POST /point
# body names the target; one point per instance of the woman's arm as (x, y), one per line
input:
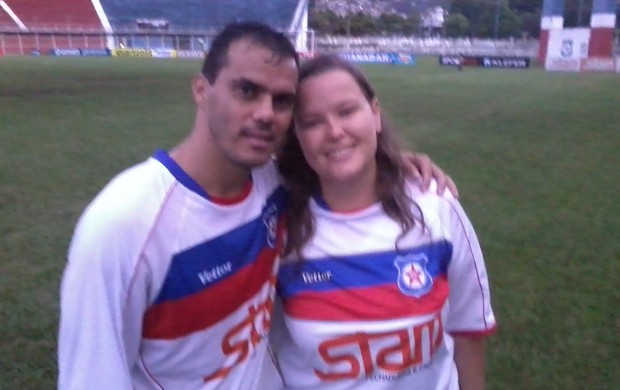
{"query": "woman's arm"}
(469, 356)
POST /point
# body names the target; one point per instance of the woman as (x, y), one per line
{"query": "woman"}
(382, 286)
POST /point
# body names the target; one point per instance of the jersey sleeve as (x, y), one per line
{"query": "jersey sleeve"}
(470, 310)
(102, 299)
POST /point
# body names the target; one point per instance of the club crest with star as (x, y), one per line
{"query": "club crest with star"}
(270, 219)
(413, 278)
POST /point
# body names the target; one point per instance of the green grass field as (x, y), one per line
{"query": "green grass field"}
(535, 154)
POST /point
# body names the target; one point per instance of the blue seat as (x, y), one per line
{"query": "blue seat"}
(198, 15)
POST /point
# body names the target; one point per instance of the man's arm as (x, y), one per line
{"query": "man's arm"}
(421, 167)
(469, 356)
(99, 333)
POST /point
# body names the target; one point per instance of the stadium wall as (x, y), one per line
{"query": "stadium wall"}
(578, 49)
(26, 42)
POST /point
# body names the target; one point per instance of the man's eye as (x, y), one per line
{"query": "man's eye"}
(248, 91)
(283, 102)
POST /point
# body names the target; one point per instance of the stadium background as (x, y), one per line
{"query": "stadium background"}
(31, 26)
(534, 154)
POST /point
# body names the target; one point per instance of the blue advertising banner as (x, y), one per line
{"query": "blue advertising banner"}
(65, 52)
(379, 58)
(95, 52)
(79, 52)
(404, 59)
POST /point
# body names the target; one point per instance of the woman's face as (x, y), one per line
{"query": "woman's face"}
(337, 128)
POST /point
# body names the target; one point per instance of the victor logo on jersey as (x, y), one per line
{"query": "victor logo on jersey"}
(270, 219)
(316, 276)
(413, 278)
(215, 273)
(395, 352)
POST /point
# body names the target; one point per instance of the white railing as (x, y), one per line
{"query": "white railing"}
(429, 45)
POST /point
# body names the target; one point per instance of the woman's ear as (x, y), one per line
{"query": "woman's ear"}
(376, 112)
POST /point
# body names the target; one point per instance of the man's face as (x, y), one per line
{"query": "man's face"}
(250, 104)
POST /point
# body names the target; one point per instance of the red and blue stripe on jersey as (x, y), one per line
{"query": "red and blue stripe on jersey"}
(240, 262)
(361, 287)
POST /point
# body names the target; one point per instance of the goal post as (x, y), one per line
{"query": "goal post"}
(303, 40)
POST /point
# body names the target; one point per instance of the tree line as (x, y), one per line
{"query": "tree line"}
(464, 18)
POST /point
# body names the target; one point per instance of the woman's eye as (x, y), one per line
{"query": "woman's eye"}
(308, 124)
(347, 111)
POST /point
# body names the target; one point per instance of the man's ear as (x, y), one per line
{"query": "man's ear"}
(200, 87)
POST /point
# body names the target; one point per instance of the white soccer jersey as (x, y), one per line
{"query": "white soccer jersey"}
(360, 314)
(173, 291)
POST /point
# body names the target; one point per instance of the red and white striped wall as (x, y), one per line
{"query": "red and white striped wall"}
(581, 47)
(602, 24)
(552, 19)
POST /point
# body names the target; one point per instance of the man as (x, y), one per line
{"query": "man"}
(171, 271)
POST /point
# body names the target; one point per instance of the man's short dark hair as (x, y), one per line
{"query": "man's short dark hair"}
(255, 32)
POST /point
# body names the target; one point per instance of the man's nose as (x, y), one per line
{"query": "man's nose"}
(264, 110)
